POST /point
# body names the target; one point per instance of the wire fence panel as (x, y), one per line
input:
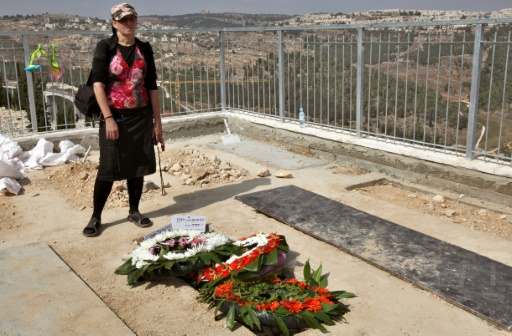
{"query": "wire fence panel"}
(438, 86)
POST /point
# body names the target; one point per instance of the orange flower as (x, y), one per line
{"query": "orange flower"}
(291, 281)
(263, 306)
(224, 289)
(271, 245)
(320, 290)
(277, 280)
(302, 285)
(293, 306)
(324, 299)
(274, 305)
(313, 305)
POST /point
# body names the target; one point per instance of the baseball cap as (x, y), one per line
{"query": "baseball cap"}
(120, 11)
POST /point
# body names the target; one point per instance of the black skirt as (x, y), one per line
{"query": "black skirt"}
(132, 154)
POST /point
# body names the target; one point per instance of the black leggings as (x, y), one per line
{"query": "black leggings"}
(103, 188)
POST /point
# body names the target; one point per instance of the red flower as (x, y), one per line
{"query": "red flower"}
(324, 299)
(236, 265)
(222, 270)
(313, 305)
(210, 274)
(263, 306)
(274, 305)
(293, 306)
(302, 285)
(224, 289)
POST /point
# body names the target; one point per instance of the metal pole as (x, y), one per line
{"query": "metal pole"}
(30, 86)
(281, 76)
(360, 79)
(222, 73)
(475, 89)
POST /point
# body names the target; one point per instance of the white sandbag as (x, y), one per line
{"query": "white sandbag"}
(7, 170)
(34, 156)
(9, 185)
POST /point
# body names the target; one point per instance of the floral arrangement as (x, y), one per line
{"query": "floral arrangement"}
(261, 254)
(177, 251)
(284, 302)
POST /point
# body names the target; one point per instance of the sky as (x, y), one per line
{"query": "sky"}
(101, 8)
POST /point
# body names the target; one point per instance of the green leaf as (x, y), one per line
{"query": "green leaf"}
(310, 319)
(323, 281)
(282, 325)
(168, 264)
(271, 258)
(254, 318)
(317, 274)
(125, 268)
(230, 319)
(206, 258)
(254, 266)
(307, 271)
(343, 294)
(324, 318)
(134, 276)
(327, 307)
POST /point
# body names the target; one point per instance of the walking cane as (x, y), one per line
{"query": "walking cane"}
(160, 167)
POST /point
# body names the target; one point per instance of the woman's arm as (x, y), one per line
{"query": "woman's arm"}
(112, 131)
(157, 127)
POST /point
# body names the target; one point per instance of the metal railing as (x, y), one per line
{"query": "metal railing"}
(443, 86)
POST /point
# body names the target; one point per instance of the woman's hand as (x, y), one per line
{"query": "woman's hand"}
(111, 128)
(157, 132)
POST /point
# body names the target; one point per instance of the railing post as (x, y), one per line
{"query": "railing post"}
(475, 90)
(360, 81)
(281, 75)
(30, 86)
(222, 73)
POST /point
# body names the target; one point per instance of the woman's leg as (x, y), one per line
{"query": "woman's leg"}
(101, 191)
(135, 186)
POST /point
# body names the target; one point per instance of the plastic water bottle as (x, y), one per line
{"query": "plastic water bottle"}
(302, 118)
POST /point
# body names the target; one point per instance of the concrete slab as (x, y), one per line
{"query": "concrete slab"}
(41, 294)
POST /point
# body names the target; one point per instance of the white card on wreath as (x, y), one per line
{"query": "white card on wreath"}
(192, 223)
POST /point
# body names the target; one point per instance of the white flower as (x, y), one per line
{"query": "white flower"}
(173, 256)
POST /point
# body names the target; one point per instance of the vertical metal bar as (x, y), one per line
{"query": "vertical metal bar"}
(222, 73)
(426, 90)
(448, 92)
(439, 46)
(460, 84)
(314, 77)
(360, 80)
(491, 79)
(336, 81)
(343, 83)
(475, 90)
(328, 79)
(281, 75)
(307, 77)
(368, 117)
(406, 84)
(321, 82)
(30, 85)
(387, 87)
(418, 49)
(377, 114)
(503, 98)
(396, 85)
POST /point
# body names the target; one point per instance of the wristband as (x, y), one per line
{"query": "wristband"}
(109, 117)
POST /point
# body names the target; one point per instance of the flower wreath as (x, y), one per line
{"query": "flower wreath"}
(262, 254)
(178, 251)
(282, 303)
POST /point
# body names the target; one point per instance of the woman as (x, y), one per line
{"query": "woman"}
(124, 81)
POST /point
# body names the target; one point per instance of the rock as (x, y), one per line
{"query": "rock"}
(167, 185)
(264, 172)
(503, 217)
(283, 174)
(483, 212)
(176, 167)
(412, 195)
(244, 172)
(83, 176)
(190, 181)
(449, 212)
(198, 173)
(224, 165)
(431, 206)
(438, 199)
